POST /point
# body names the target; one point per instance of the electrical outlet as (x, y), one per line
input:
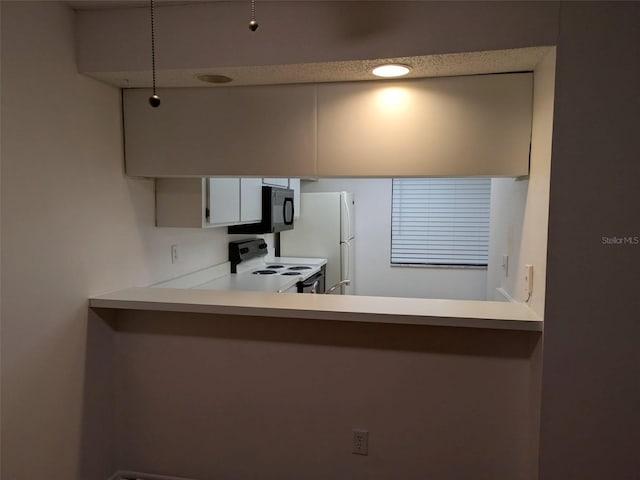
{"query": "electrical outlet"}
(174, 253)
(360, 442)
(528, 279)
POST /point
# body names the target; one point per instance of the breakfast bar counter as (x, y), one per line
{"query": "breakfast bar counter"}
(345, 308)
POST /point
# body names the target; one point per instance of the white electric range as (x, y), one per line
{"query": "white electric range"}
(252, 268)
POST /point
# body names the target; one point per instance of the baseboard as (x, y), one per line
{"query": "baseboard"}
(127, 474)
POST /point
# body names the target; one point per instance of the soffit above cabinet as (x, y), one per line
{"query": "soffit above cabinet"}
(249, 131)
(429, 66)
(312, 41)
(459, 126)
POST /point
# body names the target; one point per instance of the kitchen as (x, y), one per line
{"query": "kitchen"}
(186, 111)
(371, 219)
(94, 232)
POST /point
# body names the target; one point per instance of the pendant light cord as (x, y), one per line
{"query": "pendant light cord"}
(253, 25)
(154, 100)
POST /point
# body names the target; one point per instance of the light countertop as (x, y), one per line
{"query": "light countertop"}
(215, 290)
(412, 311)
(219, 277)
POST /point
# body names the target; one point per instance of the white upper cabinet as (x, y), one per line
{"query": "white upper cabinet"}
(276, 182)
(208, 202)
(224, 201)
(250, 200)
(456, 126)
(237, 131)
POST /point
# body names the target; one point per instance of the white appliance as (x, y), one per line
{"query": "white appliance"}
(325, 229)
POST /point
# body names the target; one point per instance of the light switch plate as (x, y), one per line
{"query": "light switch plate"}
(360, 442)
(528, 279)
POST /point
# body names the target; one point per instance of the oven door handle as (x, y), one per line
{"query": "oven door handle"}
(313, 281)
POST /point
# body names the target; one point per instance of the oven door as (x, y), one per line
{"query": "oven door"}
(313, 284)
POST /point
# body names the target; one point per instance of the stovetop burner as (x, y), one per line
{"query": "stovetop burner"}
(290, 273)
(265, 272)
(301, 267)
(275, 266)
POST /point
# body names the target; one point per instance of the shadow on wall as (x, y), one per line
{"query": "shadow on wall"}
(360, 335)
(98, 408)
(190, 386)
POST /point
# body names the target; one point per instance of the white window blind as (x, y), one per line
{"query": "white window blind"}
(440, 221)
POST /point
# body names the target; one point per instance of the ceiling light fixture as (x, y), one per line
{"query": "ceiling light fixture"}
(391, 70)
(214, 78)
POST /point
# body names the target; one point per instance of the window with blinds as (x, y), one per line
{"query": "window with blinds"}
(440, 221)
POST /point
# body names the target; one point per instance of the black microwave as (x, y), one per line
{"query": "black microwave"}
(277, 213)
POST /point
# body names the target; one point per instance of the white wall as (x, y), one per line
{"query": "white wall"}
(533, 246)
(373, 273)
(520, 207)
(72, 226)
(508, 203)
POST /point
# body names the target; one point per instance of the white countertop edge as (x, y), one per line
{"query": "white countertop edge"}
(391, 310)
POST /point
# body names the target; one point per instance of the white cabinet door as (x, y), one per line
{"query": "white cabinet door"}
(250, 199)
(276, 182)
(224, 201)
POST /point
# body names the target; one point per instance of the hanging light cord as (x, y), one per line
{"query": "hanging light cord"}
(253, 25)
(154, 100)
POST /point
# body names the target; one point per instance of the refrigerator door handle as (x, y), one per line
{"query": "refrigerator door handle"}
(347, 235)
(346, 250)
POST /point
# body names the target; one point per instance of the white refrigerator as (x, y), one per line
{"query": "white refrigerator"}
(325, 229)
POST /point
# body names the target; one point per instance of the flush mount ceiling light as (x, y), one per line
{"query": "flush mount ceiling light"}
(391, 70)
(214, 78)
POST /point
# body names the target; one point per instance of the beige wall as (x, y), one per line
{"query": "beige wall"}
(590, 427)
(60, 138)
(72, 226)
(205, 396)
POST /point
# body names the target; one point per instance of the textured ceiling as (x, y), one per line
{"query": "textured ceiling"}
(101, 4)
(473, 63)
